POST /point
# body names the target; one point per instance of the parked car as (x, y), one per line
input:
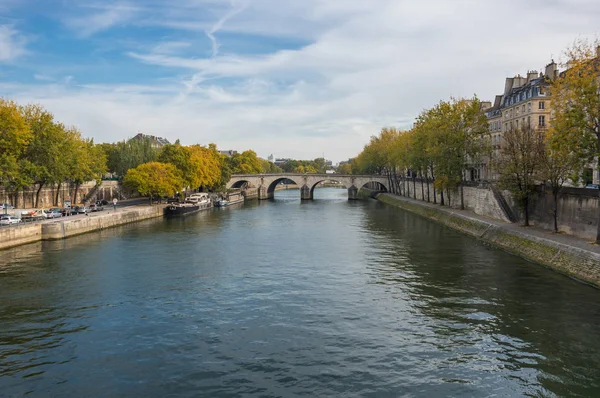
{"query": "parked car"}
(34, 215)
(67, 211)
(96, 207)
(102, 202)
(8, 220)
(80, 210)
(54, 212)
(592, 186)
(6, 206)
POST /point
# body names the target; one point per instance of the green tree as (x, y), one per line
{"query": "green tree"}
(246, 162)
(46, 149)
(15, 136)
(521, 163)
(154, 179)
(129, 154)
(576, 104)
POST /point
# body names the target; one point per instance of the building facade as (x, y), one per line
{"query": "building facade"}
(525, 103)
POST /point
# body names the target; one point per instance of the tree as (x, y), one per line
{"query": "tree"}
(15, 136)
(345, 168)
(559, 166)
(154, 179)
(245, 163)
(85, 160)
(306, 169)
(520, 164)
(269, 167)
(206, 164)
(576, 104)
(45, 150)
(129, 154)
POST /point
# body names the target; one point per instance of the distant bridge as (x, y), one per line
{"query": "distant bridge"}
(266, 183)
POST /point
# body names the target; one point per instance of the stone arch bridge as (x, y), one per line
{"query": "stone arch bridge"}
(266, 183)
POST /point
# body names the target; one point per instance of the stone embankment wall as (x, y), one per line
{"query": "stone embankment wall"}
(572, 261)
(15, 236)
(577, 211)
(26, 199)
(577, 207)
(66, 227)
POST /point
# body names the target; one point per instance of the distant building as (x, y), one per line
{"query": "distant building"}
(280, 161)
(270, 158)
(228, 153)
(157, 142)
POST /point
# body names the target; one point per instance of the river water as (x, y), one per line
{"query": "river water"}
(284, 298)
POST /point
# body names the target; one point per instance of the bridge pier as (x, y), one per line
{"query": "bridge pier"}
(305, 193)
(352, 193)
(263, 193)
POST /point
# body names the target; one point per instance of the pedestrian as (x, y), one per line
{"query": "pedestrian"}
(115, 204)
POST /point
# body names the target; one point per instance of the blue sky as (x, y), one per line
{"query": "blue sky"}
(296, 78)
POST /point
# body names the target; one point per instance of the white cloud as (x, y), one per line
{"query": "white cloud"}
(364, 65)
(12, 44)
(102, 17)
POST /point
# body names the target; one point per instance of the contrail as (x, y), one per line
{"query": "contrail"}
(219, 24)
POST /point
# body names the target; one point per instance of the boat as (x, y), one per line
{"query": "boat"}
(181, 209)
(193, 203)
(201, 199)
(230, 199)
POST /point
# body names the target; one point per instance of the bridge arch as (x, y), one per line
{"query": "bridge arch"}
(374, 186)
(240, 184)
(271, 187)
(314, 184)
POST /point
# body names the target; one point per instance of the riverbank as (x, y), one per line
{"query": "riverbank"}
(566, 254)
(63, 228)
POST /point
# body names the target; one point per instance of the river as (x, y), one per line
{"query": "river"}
(284, 298)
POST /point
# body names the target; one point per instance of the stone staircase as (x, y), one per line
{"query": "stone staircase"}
(510, 215)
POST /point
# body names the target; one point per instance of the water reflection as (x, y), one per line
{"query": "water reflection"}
(485, 308)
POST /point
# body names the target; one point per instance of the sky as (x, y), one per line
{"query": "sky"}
(294, 78)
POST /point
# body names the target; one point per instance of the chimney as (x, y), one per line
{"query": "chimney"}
(532, 75)
(508, 85)
(519, 81)
(551, 70)
(598, 51)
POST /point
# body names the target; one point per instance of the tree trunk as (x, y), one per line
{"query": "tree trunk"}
(441, 196)
(57, 194)
(75, 194)
(526, 209)
(407, 187)
(427, 181)
(555, 211)
(598, 226)
(414, 187)
(422, 190)
(462, 196)
(37, 195)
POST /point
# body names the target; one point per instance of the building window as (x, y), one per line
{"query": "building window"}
(542, 105)
(529, 121)
(542, 121)
(517, 124)
(529, 107)
(523, 108)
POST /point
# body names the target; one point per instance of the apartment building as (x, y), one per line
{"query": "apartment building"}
(524, 103)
